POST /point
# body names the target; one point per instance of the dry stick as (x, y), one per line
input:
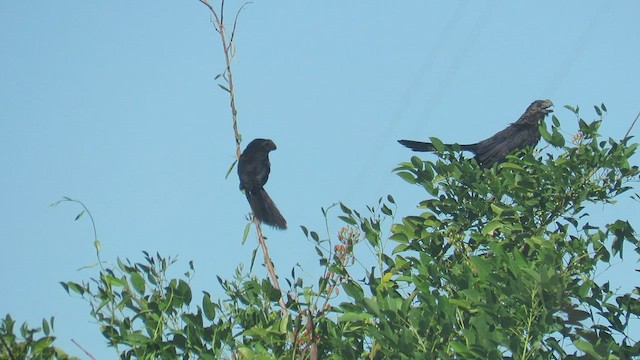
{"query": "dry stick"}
(81, 348)
(227, 57)
(269, 265)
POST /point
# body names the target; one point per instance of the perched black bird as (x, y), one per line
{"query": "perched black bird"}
(517, 135)
(253, 171)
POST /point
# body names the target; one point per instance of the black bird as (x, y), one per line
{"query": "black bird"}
(520, 134)
(253, 171)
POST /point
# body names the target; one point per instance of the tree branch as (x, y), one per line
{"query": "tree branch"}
(81, 348)
(228, 76)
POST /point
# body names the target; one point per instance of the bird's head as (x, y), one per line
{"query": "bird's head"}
(536, 112)
(265, 145)
(268, 144)
(540, 106)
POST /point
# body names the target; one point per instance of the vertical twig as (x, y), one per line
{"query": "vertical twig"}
(227, 58)
(269, 265)
(227, 47)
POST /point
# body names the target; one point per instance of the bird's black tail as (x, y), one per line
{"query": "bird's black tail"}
(264, 209)
(417, 145)
(427, 146)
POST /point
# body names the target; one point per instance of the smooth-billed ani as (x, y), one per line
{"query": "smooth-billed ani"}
(520, 134)
(253, 170)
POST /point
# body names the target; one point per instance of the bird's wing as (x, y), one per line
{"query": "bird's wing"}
(253, 171)
(497, 147)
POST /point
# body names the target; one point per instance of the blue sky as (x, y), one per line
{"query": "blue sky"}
(115, 104)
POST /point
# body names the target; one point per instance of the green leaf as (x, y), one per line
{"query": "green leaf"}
(138, 282)
(458, 347)
(437, 144)
(245, 233)
(492, 226)
(353, 289)
(183, 290)
(41, 344)
(587, 347)
(256, 332)
(348, 220)
(407, 176)
(79, 215)
(135, 338)
(544, 133)
(233, 164)
(482, 266)
(372, 306)
(284, 325)
(352, 316)
(73, 287)
(114, 281)
(509, 165)
(45, 327)
(345, 209)
(497, 209)
(557, 139)
(416, 162)
(208, 307)
(598, 111)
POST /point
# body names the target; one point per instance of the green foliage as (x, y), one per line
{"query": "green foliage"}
(502, 262)
(145, 315)
(30, 343)
(497, 263)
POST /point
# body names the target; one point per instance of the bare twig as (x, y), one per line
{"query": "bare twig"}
(227, 47)
(222, 12)
(81, 348)
(235, 21)
(227, 58)
(631, 127)
(96, 242)
(269, 265)
(215, 14)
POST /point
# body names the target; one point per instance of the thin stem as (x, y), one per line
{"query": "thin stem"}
(81, 348)
(227, 48)
(269, 265)
(227, 58)
(235, 21)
